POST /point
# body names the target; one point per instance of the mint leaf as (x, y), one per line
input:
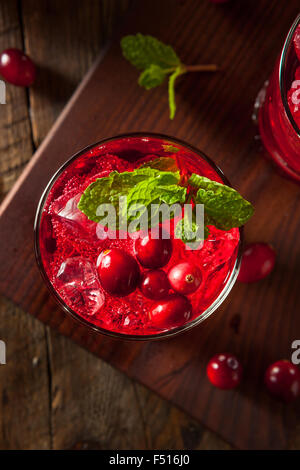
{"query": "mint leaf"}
(224, 207)
(149, 192)
(170, 148)
(162, 163)
(110, 188)
(188, 231)
(144, 51)
(152, 76)
(157, 60)
(171, 89)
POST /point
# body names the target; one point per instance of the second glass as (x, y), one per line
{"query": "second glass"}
(279, 108)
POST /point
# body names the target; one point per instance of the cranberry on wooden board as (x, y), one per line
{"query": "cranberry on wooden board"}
(282, 379)
(154, 284)
(185, 278)
(224, 371)
(119, 273)
(17, 68)
(258, 262)
(173, 311)
(153, 253)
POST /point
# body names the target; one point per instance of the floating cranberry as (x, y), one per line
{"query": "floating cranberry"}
(293, 97)
(155, 284)
(296, 41)
(257, 262)
(118, 271)
(219, 1)
(185, 278)
(153, 253)
(170, 312)
(282, 379)
(224, 371)
(17, 68)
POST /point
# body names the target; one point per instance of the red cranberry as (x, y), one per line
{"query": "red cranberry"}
(17, 68)
(282, 379)
(155, 284)
(118, 271)
(257, 262)
(185, 278)
(224, 371)
(170, 312)
(153, 253)
(296, 41)
(219, 1)
(293, 97)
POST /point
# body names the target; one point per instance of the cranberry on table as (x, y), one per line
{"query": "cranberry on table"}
(17, 68)
(154, 284)
(119, 273)
(173, 311)
(152, 252)
(185, 278)
(258, 262)
(224, 371)
(282, 379)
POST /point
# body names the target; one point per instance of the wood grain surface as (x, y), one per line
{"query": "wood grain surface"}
(258, 322)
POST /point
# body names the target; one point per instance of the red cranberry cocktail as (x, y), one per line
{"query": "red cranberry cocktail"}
(279, 113)
(137, 287)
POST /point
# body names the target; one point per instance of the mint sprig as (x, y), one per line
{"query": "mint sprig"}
(157, 62)
(162, 164)
(142, 186)
(224, 207)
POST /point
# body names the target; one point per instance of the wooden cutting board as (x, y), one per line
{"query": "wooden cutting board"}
(257, 322)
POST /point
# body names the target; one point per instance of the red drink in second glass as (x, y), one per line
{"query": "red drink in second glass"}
(68, 243)
(279, 114)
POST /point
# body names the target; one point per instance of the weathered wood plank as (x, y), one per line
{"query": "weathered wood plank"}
(63, 38)
(24, 387)
(15, 141)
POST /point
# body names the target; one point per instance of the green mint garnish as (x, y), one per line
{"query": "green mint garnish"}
(157, 62)
(224, 207)
(162, 163)
(188, 230)
(141, 186)
(170, 148)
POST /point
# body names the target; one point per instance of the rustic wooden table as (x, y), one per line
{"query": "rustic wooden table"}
(45, 372)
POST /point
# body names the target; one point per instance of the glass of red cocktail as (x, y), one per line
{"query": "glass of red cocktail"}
(69, 247)
(279, 108)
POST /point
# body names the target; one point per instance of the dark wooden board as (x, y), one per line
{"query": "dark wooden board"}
(214, 114)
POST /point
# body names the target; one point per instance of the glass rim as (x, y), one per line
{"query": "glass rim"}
(230, 281)
(282, 68)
